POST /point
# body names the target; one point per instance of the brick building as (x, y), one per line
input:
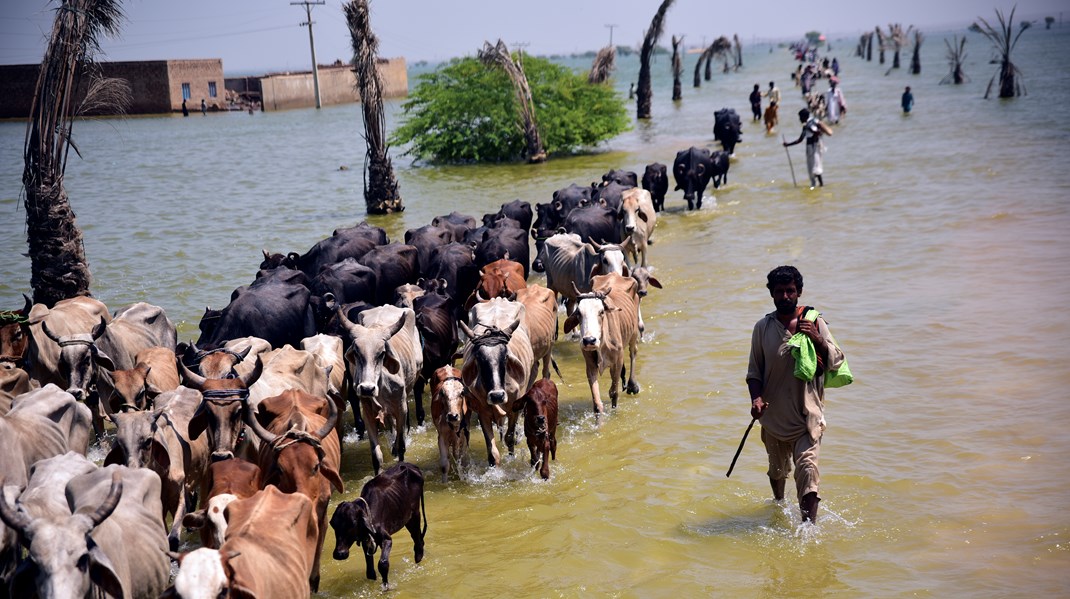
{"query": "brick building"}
(156, 86)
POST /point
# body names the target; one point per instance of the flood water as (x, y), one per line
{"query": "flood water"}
(937, 251)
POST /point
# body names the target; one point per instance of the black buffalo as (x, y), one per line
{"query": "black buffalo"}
(719, 168)
(353, 242)
(435, 315)
(727, 129)
(517, 210)
(426, 239)
(275, 311)
(656, 181)
(454, 265)
(692, 169)
(506, 242)
(611, 194)
(341, 283)
(625, 178)
(456, 222)
(394, 264)
(594, 222)
(551, 216)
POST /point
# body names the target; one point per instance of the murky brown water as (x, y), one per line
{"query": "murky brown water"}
(938, 253)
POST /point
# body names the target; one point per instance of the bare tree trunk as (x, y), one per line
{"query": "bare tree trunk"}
(698, 67)
(677, 68)
(650, 40)
(739, 51)
(915, 60)
(381, 194)
(58, 265)
(869, 48)
(708, 71)
(499, 55)
(880, 44)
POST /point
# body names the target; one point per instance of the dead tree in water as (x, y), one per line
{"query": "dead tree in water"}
(869, 47)
(882, 42)
(1009, 76)
(604, 63)
(956, 55)
(650, 40)
(381, 195)
(677, 68)
(698, 67)
(499, 55)
(915, 59)
(739, 51)
(58, 265)
(899, 37)
(719, 47)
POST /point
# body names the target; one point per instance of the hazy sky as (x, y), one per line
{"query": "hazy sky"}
(253, 36)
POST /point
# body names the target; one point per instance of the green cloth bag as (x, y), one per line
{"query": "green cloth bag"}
(841, 377)
(804, 352)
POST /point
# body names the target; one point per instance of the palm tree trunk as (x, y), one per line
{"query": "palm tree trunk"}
(499, 55)
(677, 68)
(698, 68)
(58, 265)
(650, 40)
(381, 194)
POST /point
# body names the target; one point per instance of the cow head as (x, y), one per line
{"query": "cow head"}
(590, 315)
(352, 524)
(610, 259)
(490, 351)
(136, 444)
(221, 410)
(203, 572)
(78, 359)
(370, 353)
(229, 480)
(14, 333)
(405, 294)
(126, 388)
(299, 454)
(449, 405)
(64, 560)
(644, 280)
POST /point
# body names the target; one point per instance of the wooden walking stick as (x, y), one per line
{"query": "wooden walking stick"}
(793, 183)
(740, 450)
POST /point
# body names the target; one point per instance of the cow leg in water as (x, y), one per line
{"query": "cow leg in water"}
(413, 526)
(591, 362)
(369, 565)
(614, 386)
(398, 448)
(355, 403)
(373, 436)
(418, 390)
(632, 387)
(510, 431)
(487, 424)
(443, 456)
(321, 515)
(174, 537)
(384, 559)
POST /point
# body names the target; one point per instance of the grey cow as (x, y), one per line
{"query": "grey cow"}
(570, 263)
(385, 358)
(111, 541)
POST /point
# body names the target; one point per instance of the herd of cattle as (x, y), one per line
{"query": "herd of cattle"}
(247, 421)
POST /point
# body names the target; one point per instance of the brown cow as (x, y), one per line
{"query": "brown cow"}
(13, 333)
(540, 318)
(540, 423)
(388, 502)
(13, 382)
(608, 317)
(155, 372)
(449, 412)
(227, 481)
(501, 278)
(222, 411)
(300, 453)
(269, 551)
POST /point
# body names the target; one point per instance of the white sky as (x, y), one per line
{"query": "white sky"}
(253, 36)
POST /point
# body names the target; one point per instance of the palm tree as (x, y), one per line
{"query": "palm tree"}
(719, 47)
(381, 195)
(603, 65)
(1009, 76)
(58, 265)
(915, 59)
(956, 55)
(677, 67)
(650, 40)
(499, 55)
(899, 37)
(739, 51)
(1048, 21)
(698, 67)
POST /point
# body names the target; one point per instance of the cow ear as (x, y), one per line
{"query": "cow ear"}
(518, 405)
(198, 423)
(571, 322)
(654, 282)
(115, 456)
(195, 520)
(160, 455)
(102, 573)
(334, 478)
(642, 216)
(103, 360)
(390, 362)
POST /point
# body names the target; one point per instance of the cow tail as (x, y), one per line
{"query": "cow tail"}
(423, 509)
(553, 363)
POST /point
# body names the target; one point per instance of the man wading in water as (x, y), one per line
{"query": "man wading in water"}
(790, 409)
(812, 131)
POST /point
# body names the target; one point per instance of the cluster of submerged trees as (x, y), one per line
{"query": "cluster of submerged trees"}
(1002, 35)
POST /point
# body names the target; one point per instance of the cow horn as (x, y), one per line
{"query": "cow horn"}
(265, 435)
(12, 516)
(348, 324)
(467, 331)
(332, 420)
(100, 328)
(28, 306)
(243, 353)
(48, 332)
(596, 245)
(511, 295)
(479, 295)
(575, 289)
(110, 502)
(195, 380)
(511, 328)
(251, 377)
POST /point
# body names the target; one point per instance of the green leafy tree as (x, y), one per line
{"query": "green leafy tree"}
(465, 112)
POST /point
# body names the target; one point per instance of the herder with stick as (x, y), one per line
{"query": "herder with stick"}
(812, 131)
(791, 409)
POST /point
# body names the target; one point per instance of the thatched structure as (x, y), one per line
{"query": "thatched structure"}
(498, 55)
(381, 194)
(650, 40)
(956, 55)
(58, 265)
(604, 63)
(1004, 40)
(677, 68)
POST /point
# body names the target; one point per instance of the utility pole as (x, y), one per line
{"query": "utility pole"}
(308, 4)
(611, 27)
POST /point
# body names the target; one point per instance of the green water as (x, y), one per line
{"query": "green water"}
(938, 252)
